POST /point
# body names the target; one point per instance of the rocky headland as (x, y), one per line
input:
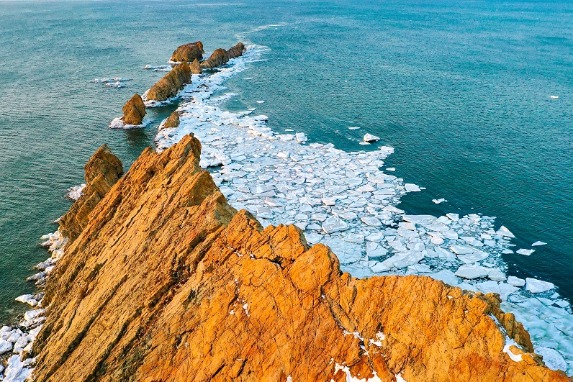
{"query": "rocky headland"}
(166, 281)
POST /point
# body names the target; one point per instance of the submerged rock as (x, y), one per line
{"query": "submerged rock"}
(171, 83)
(133, 110)
(221, 56)
(168, 282)
(188, 52)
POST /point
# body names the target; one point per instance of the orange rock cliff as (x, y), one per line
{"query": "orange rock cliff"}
(162, 280)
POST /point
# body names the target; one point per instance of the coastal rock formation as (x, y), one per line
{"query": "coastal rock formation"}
(188, 52)
(171, 83)
(102, 171)
(196, 67)
(221, 56)
(171, 121)
(133, 110)
(167, 282)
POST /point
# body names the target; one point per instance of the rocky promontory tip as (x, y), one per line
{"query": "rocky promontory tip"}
(188, 52)
(171, 83)
(102, 171)
(168, 282)
(221, 56)
(133, 111)
(171, 121)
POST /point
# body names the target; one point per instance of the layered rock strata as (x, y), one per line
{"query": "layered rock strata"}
(171, 83)
(188, 52)
(133, 111)
(101, 172)
(167, 282)
(221, 56)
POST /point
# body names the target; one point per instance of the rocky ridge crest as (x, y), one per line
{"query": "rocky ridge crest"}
(162, 280)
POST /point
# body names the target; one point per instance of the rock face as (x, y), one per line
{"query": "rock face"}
(171, 121)
(167, 282)
(171, 83)
(221, 56)
(196, 67)
(101, 172)
(188, 52)
(133, 110)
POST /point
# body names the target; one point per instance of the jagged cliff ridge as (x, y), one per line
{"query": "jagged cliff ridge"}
(167, 282)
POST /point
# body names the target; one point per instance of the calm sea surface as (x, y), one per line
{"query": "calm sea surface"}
(465, 92)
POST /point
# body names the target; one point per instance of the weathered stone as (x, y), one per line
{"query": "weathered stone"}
(221, 56)
(102, 171)
(171, 121)
(196, 67)
(167, 282)
(188, 52)
(171, 83)
(133, 110)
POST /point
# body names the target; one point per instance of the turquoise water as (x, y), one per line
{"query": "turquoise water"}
(462, 91)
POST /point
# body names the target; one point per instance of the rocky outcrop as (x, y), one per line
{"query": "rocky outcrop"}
(102, 171)
(133, 111)
(171, 83)
(236, 51)
(196, 67)
(171, 121)
(167, 282)
(188, 52)
(221, 56)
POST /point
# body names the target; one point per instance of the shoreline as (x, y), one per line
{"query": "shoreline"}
(236, 143)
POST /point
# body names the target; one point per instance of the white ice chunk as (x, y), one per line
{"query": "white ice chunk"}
(439, 201)
(411, 187)
(515, 281)
(538, 286)
(552, 358)
(503, 231)
(370, 138)
(371, 221)
(471, 272)
(334, 224)
(538, 243)
(525, 252)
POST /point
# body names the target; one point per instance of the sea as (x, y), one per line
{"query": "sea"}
(476, 98)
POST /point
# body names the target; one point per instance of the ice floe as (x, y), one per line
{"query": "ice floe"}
(370, 138)
(116, 82)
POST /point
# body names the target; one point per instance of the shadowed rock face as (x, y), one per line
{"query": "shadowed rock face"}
(196, 67)
(221, 56)
(171, 121)
(188, 52)
(171, 83)
(101, 172)
(133, 110)
(167, 282)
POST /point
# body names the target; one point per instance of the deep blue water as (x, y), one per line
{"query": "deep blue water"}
(462, 90)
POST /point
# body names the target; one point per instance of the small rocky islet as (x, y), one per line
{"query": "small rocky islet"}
(154, 275)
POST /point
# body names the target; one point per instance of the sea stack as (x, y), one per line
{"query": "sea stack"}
(171, 83)
(133, 111)
(221, 56)
(188, 52)
(165, 281)
(171, 121)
